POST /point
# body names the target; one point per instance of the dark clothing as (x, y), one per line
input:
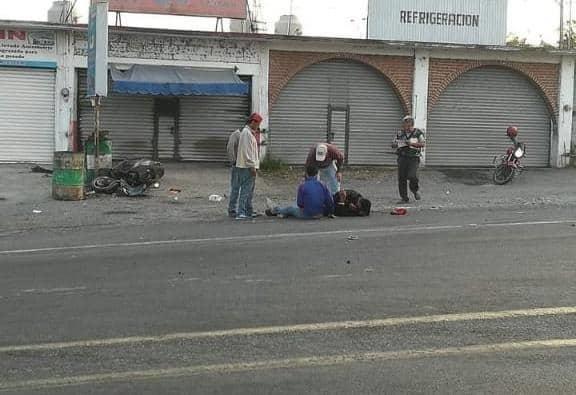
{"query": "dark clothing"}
(333, 154)
(354, 205)
(402, 139)
(407, 172)
(314, 199)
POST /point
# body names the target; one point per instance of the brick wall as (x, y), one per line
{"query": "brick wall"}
(284, 65)
(544, 76)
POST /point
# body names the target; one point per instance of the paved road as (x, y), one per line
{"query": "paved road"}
(470, 302)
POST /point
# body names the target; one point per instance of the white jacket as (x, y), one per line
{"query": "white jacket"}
(248, 152)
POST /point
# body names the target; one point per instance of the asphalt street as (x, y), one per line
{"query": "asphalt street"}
(471, 301)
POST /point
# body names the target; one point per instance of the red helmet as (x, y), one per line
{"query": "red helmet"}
(512, 131)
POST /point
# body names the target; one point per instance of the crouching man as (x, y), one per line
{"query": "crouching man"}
(314, 200)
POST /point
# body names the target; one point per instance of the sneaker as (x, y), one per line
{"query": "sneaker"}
(417, 196)
(270, 213)
(241, 217)
(404, 200)
(256, 214)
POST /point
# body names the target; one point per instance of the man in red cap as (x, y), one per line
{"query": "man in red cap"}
(248, 163)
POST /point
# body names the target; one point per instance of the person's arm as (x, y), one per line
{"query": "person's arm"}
(395, 144)
(328, 201)
(232, 147)
(250, 150)
(337, 156)
(300, 199)
(421, 141)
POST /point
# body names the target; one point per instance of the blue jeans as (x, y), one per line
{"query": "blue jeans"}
(247, 183)
(291, 211)
(234, 191)
(328, 177)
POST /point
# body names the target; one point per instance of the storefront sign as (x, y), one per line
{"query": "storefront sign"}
(132, 46)
(98, 49)
(235, 9)
(18, 47)
(477, 22)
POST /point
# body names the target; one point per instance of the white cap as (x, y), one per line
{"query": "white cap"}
(321, 152)
(408, 118)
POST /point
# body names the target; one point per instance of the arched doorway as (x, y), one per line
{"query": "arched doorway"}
(345, 102)
(467, 127)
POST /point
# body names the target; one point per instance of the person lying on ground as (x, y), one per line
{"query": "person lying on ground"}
(349, 203)
(314, 201)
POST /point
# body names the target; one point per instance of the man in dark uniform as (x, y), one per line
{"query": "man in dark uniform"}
(408, 143)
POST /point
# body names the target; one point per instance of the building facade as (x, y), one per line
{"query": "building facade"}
(349, 92)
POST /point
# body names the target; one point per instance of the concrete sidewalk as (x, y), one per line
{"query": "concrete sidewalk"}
(25, 201)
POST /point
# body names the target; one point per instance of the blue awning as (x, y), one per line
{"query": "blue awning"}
(177, 81)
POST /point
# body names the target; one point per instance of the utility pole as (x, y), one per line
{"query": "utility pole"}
(561, 42)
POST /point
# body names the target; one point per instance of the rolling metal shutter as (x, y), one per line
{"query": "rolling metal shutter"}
(468, 125)
(206, 123)
(298, 120)
(27, 115)
(130, 120)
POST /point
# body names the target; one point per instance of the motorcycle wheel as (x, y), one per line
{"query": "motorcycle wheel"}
(503, 174)
(107, 185)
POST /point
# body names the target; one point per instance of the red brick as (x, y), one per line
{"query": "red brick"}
(543, 75)
(398, 70)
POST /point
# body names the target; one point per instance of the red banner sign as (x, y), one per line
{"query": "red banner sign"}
(235, 9)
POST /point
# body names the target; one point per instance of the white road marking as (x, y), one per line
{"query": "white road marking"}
(293, 363)
(267, 237)
(52, 290)
(335, 276)
(302, 328)
(258, 280)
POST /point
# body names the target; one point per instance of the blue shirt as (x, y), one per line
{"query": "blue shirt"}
(314, 198)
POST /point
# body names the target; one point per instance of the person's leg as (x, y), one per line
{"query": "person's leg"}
(402, 178)
(289, 211)
(244, 181)
(412, 174)
(250, 191)
(234, 191)
(328, 177)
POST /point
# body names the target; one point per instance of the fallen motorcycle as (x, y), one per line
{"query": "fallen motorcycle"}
(130, 178)
(508, 165)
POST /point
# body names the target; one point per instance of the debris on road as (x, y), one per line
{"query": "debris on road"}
(40, 169)
(215, 198)
(353, 237)
(35, 211)
(399, 211)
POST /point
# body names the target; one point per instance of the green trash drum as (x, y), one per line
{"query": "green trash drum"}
(69, 175)
(104, 158)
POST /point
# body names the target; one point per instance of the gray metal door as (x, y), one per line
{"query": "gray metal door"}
(338, 127)
(467, 127)
(166, 137)
(298, 118)
(130, 120)
(27, 102)
(206, 123)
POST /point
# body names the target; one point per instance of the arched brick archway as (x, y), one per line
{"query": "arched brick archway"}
(398, 70)
(445, 71)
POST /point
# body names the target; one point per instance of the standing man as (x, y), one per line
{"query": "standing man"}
(329, 160)
(409, 143)
(232, 149)
(248, 163)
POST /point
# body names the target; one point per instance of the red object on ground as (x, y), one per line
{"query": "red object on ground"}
(399, 211)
